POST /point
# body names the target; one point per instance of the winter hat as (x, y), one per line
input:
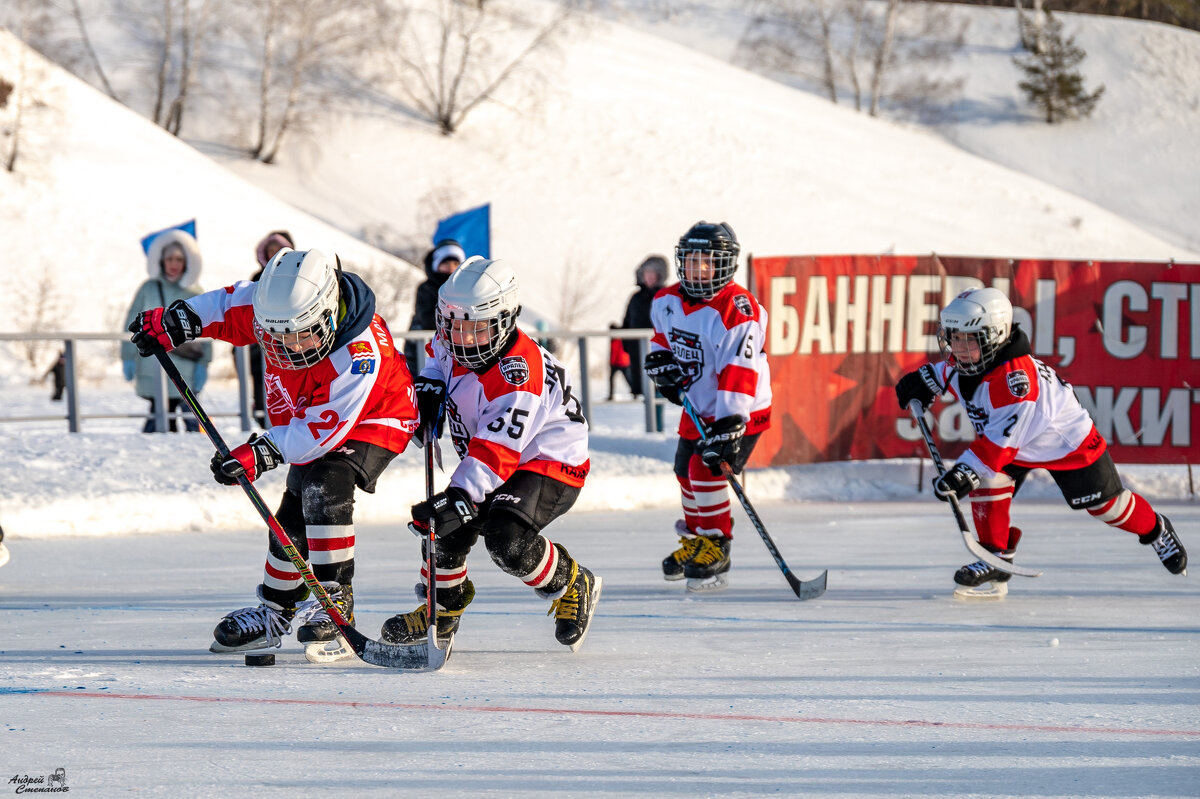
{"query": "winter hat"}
(168, 240)
(653, 263)
(444, 249)
(280, 237)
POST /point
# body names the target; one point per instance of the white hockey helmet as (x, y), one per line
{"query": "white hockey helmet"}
(296, 308)
(983, 316)
(477, 311)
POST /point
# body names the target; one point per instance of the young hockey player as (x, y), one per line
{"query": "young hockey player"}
(523, 445)
(1025, 417)
(341, 407)
(708, 340)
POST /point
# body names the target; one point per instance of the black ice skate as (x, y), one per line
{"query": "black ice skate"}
(707, 570)
(253, 628)
(979, 580)
(412, 628)
(324, 645)
(672, 564)
(1167, 546)
(573, 610)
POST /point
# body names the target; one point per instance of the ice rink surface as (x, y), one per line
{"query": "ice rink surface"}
(1084, 682)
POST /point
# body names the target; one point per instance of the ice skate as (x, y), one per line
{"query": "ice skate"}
(412, 628)
(254, 627)
(672, 564)
(979, 580)
(573, 610)
(1167, 546)
(320, 634)
(708, 570)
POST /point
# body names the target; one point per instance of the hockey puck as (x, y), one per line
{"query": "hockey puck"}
(260, 660)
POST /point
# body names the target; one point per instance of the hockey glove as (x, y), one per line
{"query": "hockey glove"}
(921, 385)
(256, 456)
(431, 397)
(667, 375)
(448, 511)
(721, 443)
(164, 328)
(959, 481)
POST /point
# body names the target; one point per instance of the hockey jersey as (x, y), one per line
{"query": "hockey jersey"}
(362, 390)
(719, 344)
(519, 414)
(1023, 414)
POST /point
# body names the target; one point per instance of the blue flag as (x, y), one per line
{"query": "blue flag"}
(188, 227)
(472, 229)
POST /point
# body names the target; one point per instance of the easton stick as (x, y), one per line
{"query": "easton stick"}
(373, 652)
(804, 589)
(973, 546)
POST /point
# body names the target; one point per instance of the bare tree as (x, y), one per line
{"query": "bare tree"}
(89, 51)
(194, 32)
(883, 54)
(37, 305)
(300, 46)
(21, 93)
(446, 58)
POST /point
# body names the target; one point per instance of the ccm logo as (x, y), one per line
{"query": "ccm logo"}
(508, 498)
(1086, 500)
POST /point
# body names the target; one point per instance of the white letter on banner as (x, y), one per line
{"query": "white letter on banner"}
(1110, 414)
(784, 323)
(1176, 414)
(815, 326)
(890, 312)
(1170, 295)
(846, 312)
(921, 312)
(1112, 324)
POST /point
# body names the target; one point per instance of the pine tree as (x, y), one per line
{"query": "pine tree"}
(1052, 82)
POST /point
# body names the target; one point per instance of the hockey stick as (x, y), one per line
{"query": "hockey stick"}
(437, 654)
(973, 546)
(373, 652)
(804, 589)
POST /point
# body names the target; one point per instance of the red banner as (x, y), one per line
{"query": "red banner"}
(843, 329)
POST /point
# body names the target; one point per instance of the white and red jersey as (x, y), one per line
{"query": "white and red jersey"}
(362, 390)
(1023, 414)
(719, 343)
(519, 414)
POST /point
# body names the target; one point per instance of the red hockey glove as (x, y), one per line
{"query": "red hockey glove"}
(256, 456)
(164, 328)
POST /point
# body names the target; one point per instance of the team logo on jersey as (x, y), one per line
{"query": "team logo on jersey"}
(359, 348)
(514, 369)
(742, 303)
(362, 366)
(685, 346)
(1018, 384)
(279, 401)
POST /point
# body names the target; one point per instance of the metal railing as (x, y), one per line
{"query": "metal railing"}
(74, 418)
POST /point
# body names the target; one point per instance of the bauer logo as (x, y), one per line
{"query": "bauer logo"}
(1018, 384)
(514, 369)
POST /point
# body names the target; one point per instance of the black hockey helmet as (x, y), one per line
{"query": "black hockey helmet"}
(708, 245)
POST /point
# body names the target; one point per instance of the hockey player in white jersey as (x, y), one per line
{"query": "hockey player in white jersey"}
(1025, 417)
(708, 339)
(523, 445)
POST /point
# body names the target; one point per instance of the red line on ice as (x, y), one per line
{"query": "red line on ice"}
(651, 714)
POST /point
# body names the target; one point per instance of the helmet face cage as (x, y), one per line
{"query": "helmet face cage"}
(980, 322)
(297, 349)
(710, 253)
(473, 343)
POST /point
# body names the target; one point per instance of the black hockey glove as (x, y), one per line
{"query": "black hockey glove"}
(448, 511)
(667, 375)
(431, 397)
(959, 481)
(921, 385)
(722, 442)
(256, 456)
(164, 328)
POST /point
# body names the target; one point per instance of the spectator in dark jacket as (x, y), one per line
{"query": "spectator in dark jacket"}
(440, 262)
(651, 276)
